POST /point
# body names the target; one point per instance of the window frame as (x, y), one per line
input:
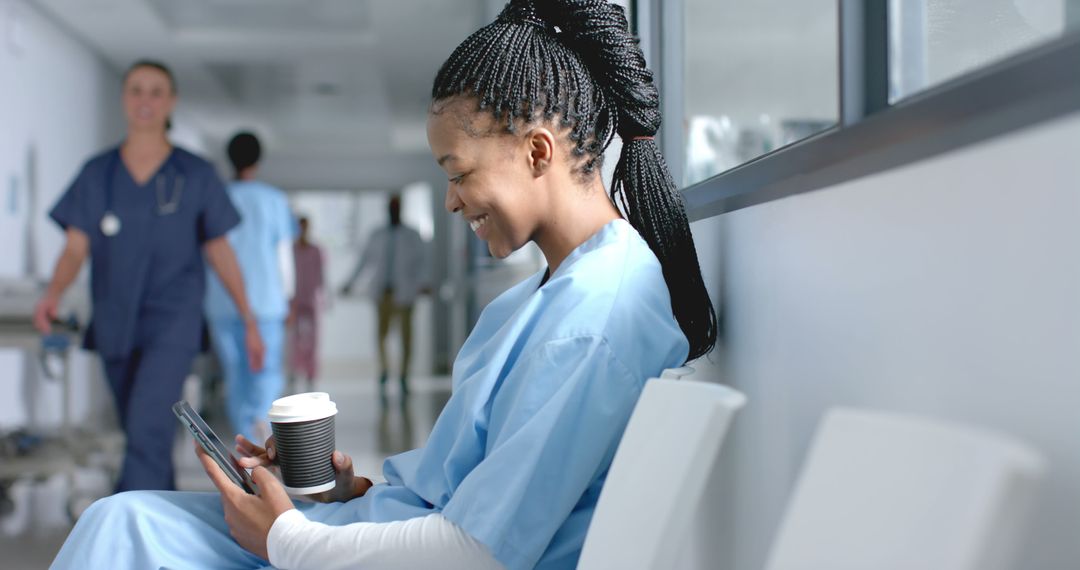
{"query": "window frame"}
(1035, 85)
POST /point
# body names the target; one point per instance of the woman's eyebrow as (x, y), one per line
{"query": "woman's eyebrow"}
(446, 158)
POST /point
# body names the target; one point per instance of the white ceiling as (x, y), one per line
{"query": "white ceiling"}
(328, 79)
(344, 84)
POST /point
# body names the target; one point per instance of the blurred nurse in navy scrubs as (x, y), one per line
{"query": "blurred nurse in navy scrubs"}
(145, 213)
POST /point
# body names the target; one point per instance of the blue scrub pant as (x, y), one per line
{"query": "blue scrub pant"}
(145, 385)
(248, 395)
(153, 529)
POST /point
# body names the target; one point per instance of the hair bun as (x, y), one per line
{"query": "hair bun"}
(524, 12)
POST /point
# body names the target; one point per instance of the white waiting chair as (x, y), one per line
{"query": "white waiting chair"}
(658, 474)
(891, 492)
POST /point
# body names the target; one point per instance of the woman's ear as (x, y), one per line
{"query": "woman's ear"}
(541, 146)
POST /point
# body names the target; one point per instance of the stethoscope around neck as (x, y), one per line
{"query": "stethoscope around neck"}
(166, 203)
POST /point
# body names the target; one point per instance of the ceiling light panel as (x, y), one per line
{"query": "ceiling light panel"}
(265, 15)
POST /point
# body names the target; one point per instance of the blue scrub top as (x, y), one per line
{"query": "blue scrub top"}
(266, 222)
(543, 389)
(147, 281)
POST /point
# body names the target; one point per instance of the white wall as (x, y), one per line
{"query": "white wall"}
(58, 99)
(948, 288)
(59, 103)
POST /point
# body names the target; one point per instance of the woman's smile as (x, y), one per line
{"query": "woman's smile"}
(478, 224)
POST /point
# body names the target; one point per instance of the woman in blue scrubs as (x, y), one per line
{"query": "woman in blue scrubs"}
(145, 213)
(546, 382)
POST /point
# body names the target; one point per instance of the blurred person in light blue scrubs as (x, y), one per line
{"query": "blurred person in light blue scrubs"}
(548, 378)
(263, 245)
(145, 213)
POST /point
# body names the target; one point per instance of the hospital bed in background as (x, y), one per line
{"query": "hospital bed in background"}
(33, 452)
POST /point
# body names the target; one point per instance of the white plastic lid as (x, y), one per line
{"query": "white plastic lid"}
(305, 407)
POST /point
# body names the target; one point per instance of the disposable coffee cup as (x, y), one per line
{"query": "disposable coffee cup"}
(303, 426)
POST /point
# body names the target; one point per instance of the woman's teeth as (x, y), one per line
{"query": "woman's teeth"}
(477, 223)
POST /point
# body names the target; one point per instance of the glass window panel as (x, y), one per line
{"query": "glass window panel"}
(759, 75)
(932, 41)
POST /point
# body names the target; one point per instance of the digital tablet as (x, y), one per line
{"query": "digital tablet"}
(213, 446)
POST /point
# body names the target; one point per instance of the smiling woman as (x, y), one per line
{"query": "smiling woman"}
(513, 189)
(146, 97)
(571, 71)
(545, 384)
(145, 213)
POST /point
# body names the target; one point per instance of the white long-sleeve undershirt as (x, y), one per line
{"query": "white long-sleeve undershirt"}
(296, 543)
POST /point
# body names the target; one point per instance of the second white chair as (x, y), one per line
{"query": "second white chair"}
(891, 492)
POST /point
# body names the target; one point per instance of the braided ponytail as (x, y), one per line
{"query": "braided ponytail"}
(576, 60)
(641, 184)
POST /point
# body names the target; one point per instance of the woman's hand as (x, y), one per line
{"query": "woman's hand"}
(45, 312)
(348, 486)
(254, 344)
(252, 456)
(76, 248)
(223, 259)
(249, 517)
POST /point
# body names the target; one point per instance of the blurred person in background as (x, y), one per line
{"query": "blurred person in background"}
(309, 300)
(396, 254)
(263, 242)
(145, 213)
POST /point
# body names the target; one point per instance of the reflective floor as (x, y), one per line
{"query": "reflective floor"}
(370, 427)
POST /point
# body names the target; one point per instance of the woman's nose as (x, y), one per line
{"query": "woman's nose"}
(453, 202)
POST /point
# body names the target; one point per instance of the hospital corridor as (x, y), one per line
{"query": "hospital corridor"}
(551, 284)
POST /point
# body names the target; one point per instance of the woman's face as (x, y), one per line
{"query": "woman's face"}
(148, 98)
(490, 180)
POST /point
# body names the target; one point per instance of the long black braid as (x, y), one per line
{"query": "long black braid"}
(576, 62)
